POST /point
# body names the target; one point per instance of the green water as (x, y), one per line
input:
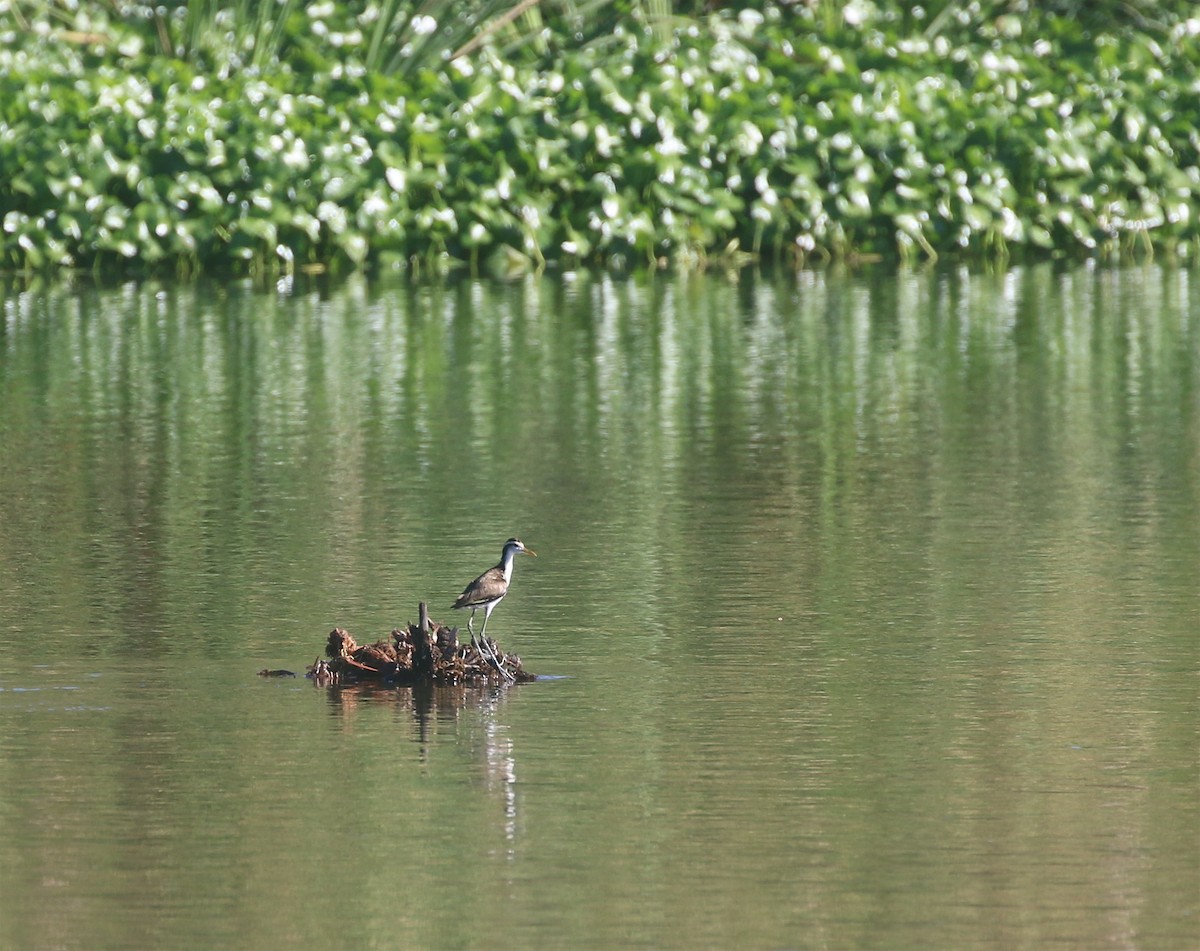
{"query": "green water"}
(868, 604)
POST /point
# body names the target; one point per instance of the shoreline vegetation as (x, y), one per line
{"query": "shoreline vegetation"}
(273, 138)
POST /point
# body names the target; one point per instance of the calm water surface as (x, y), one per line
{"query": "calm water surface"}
(869, 602)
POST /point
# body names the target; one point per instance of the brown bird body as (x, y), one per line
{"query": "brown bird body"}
(489, 588)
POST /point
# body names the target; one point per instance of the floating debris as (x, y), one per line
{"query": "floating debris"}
(426, 652)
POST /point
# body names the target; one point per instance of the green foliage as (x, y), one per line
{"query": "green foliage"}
(799, 131)
(248, 32)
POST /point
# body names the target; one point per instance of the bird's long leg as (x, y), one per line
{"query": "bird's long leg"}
(491, 654)
(484, 650)
(471, 630)
(477, 642)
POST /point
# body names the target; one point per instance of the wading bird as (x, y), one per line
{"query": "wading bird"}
(486, 592)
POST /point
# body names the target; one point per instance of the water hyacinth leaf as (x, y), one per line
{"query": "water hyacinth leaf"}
(354, 245)
(851, 123)
(855, 203)
(977, 217)
(909, 224)
(307, 224)
(261, 228)
(34, 257)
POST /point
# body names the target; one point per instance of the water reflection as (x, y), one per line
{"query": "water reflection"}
(875, 593)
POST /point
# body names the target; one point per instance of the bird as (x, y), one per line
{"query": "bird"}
(488, 590)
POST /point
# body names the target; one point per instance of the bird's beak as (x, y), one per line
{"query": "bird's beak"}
(529, 551)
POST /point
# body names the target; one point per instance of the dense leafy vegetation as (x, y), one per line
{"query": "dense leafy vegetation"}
(624, 134)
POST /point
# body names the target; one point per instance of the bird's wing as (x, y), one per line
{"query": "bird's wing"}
(487, 586)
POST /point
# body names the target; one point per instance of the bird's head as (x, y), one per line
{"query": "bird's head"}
(515, 545)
